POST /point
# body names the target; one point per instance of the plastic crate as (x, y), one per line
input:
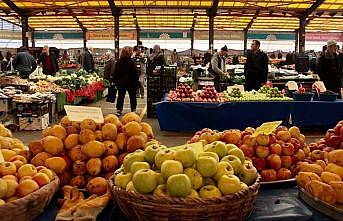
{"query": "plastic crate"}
(32, 109)
(328, 97)
(33, 123)
(302, 96)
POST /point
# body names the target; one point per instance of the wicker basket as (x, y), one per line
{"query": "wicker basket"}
(30, 206)
(233, 207)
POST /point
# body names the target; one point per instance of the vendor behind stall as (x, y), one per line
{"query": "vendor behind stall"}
(256, 67)
(217, 66)
(49, 62)
(329, 68)
(24, 63)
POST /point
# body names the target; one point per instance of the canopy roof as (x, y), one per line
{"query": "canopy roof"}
(153, 14)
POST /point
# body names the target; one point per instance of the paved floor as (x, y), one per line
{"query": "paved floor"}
(167, 138)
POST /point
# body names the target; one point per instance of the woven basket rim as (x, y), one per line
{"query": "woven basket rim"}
(177, 200)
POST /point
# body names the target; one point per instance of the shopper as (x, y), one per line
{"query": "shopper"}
(24, 63)
(126, 78)
(109, 75)
(78, 57)
(329, 68)
(156, 58)
(48, 60)
(174, 57)
(141, 70)
(217, 66)
(88, 60)
(256, 67)
(65, 56)
(279, 55)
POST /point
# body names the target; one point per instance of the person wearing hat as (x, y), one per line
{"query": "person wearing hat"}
(256, 67)
(329, 68)
(217, 66)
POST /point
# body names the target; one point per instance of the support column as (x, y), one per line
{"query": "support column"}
(245, 38)
(296, 33)
(211, 32)
(84, 36)
(33, 38)
(116, 36)
(25, 30)
(302, 23)
(192, 41)
(138, 32)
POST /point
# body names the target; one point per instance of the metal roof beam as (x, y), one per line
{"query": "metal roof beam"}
(194, 21)
(251, 22)
(114, 9)
(135, 21)
(15, 8)
(213, 10)
(311, 9)
(80, 24)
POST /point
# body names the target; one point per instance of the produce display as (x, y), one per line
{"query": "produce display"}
(275, 156)
(18, 177)
(46, 86)
(191, 170)
(80, 152)
(185, 93)
(265, 93)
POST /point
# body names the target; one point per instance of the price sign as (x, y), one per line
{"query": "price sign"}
(240, 87)
(267, 128)
(79, 113)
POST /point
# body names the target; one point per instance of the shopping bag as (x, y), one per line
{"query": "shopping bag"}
(112, 94)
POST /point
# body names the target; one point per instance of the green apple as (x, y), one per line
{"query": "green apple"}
(122, 179)
(135, 166)
(248, 173)
(160, 178)
(163, 155)
(224, 168)
(171, 167)
(195, 177)
(235, 163)
(150, 152)
(209, 191)
(130, 187)
(193, 194)
(207, 166)
(217, 147)
(209, 181)
(186, 156)
(150, 143)
(204, 142)
(230, 147)
(160, 190)
(132, 157)
(229, 184)
(238, 153)
(179, 185)
(210, 154)
(144, 181)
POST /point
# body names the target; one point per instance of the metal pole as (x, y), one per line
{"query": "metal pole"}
(211, 32)
(138, 32)
(33, 38)
(84, 35)
(245, 36)
(24, 31)
(302, 23)
(192, 41)
(116, 36)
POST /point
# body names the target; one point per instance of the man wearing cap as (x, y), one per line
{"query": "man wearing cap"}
(217, 66)
(329, 68)
(256, 67)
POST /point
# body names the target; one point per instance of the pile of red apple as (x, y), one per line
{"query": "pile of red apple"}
(208, 94)
(182, 93)
(275, 156)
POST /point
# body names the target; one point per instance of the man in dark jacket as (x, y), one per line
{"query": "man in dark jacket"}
(88, 61)
(49, 61)
(24, 63)
(329, 68)
(256, 67)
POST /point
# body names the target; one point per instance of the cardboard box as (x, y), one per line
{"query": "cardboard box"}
(34, 123)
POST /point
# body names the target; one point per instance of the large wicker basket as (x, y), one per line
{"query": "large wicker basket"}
(30, 206)
(233, 207)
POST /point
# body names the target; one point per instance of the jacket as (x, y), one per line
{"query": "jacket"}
(24, 62)
(88, 62)
(54, 63)
(216, 65)
(255, 70)
(126, 73)
(109, 70)
(329, 69)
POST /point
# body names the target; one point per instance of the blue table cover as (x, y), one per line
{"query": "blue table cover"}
(182, 116)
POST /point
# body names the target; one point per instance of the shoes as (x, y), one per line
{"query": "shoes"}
(119, 113)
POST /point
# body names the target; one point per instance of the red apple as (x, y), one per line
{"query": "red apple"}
(249, 140)
(274, 161)
(341, 133)
(275, 149)
(283, 135)
(281, 128)
(334, 141)
(247, 150)
(262, 139)
(295, 143)
(337, 129)
(262, 151)
(260, 163)
(272, 139)
(286, 161)
(195, 138)
(322, 146)
(232, 136)
(288, 149)
(244, 133)
(300, 154)
(280, 142)
(328, 149)
(284, 174)
(269, 175)
(294, 159)
(313, 146)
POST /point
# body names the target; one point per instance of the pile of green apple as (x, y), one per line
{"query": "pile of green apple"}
(192, 170)
(256, 96)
